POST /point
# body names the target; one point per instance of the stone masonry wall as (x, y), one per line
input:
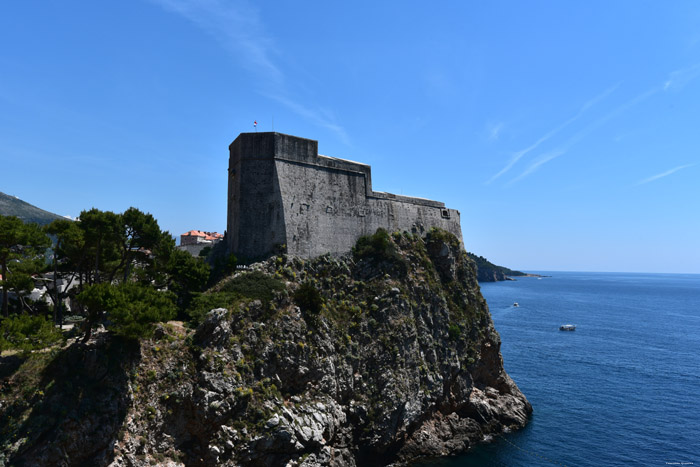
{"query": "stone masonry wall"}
(281, 192)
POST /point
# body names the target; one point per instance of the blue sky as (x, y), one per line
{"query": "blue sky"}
(566, 133)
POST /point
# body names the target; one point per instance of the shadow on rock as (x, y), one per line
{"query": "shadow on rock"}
(76, 409)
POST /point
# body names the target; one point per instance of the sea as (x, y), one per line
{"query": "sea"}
(622, 389)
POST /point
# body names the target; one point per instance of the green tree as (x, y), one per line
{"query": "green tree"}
(102, 233)
(121, 261)
(140, 307)
(130, 309)
(97, 299)
(20, 282)
(140, 235)
(68, 260)
(187, 275)
(153, 269)
(21, 246)
(123, 247)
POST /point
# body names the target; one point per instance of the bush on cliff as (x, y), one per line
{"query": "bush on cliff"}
(377, 245)
(380, 248)
(308, 298)
(25, 332)
(227, 294)
(254, 285)
(202, 304)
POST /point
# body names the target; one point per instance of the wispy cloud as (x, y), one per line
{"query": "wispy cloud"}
(679, 78)
(576, 138)
(519, 154)
(663, 174)
(238, 27)
(541, 160)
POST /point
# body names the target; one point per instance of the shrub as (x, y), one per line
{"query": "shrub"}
(255, 285)
(436, 234)
(204, 303)
(380, 248)
(377, 246)
(308, 298)
(25, 332)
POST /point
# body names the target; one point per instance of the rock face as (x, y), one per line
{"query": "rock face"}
(380, 358)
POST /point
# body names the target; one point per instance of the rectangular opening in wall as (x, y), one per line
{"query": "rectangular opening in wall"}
(445, 213)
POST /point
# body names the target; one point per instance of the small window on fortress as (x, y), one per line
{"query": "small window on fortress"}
(445, 213)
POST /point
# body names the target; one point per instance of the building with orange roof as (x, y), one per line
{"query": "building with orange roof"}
(195, 241)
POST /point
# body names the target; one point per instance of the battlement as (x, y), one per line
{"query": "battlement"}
(282, 192)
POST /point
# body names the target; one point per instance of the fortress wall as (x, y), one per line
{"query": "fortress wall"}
(282, 192)
(321, 208)
(327, 210)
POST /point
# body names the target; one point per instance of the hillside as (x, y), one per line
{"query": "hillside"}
(384, 356)
(11, 206)
(486, 271)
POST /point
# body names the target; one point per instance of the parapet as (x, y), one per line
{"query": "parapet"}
(272, 145)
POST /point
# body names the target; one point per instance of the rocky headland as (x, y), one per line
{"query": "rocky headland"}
(380, 357)
(486, 271)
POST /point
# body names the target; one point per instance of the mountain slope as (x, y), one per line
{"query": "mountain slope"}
(11, 206)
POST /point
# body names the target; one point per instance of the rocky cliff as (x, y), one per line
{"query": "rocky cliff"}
(382, 357)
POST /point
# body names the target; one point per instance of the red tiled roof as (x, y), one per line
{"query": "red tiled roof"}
(201, 233)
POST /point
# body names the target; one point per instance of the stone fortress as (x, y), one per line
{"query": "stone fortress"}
(283, 195)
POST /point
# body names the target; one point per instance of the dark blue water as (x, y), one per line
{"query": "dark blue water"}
(623, 389)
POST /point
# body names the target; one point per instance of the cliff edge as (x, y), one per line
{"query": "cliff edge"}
(383, 356)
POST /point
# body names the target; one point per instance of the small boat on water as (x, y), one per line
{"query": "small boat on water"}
(567, 327)
(515, 304)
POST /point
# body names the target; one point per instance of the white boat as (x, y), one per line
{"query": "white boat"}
(515, 304)
(567, 327)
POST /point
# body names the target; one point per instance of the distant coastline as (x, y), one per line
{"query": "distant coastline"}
(486, 271)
